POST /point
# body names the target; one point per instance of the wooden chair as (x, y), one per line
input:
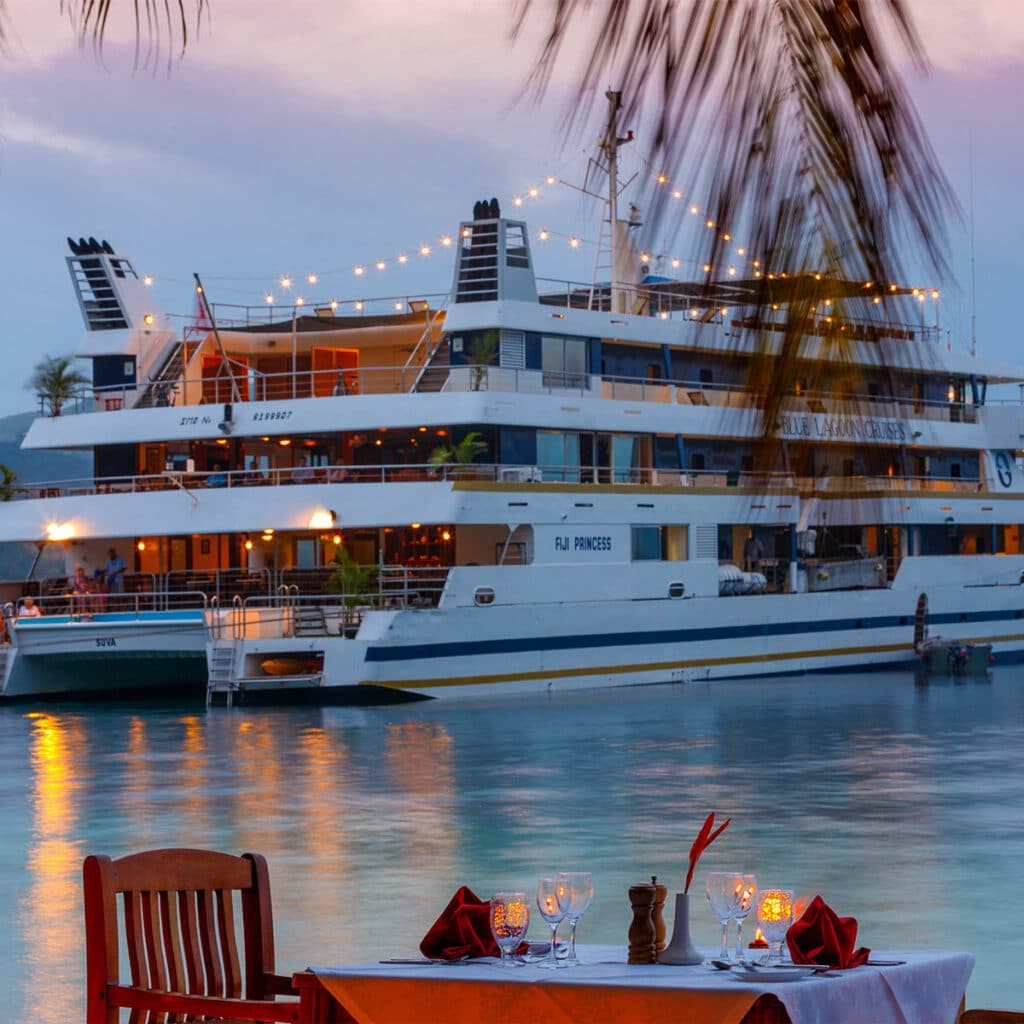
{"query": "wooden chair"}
(991, 1017)
(174, 913)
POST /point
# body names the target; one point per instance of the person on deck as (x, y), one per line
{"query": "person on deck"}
(28, 609)
(753, 552)
(114, 572)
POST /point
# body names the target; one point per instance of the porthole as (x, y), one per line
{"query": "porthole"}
(963, 616)
(676, 590)
(484, 595)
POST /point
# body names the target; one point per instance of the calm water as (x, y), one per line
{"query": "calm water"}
(902, 804)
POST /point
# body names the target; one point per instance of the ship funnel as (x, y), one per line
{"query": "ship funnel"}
(493, 258)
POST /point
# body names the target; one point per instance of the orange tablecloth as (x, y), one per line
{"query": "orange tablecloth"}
(928, 989)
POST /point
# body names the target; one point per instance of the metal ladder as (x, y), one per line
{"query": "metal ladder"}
(221, 669)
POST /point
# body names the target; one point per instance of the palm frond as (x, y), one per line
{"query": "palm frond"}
(157, 23)
(791, 119)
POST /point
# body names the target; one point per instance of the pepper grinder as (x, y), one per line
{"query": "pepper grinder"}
(642, 936)
(660, 895)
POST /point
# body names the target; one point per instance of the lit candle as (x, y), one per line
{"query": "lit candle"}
(758, 941)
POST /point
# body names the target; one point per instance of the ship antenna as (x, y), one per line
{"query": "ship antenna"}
(970, 207)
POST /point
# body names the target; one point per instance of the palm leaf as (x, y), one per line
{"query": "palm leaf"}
(792, 120)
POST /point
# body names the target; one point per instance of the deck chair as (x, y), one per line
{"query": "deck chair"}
(174, 913)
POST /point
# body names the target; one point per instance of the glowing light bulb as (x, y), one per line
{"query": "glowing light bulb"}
(574, 242)
(381, 265)
(727, 237)
(286, 282)
(466, 232)
(446, 241)
(694, 313)
(312, 278)
(398, 306)
(725, 311)
(359, 271)
(741, 251)
(534, 193)
(709, 224)
(518, 201)
(147, 280)
(935, 294)
(662, 179)
(550, 179)
(300, 301)
(694, 210)
(269, 299)
(645, 257)
(707, 268)
(732, 271)
(334, 303)
(675, 263)
(664, 315)
(543, 236)
(149, 319)
(677, 194)
(403, 258)
(359, 305)
(424, 250)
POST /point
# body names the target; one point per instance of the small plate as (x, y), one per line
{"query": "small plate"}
(771, 975)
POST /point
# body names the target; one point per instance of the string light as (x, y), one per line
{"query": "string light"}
(269, 299)
(286, 282)
(424, 250)
(446, 241)
(312, 278)
(359, 271)
(403, 258)
(381, 265)
(147, 281)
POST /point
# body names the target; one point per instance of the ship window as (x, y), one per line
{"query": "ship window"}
(483, 595)
(697, 460)
(563, 362)
(516, 253)
(558, 455)
(645, 543)
(963, 616)
(706, 377)
(954, 470)
(676, 590)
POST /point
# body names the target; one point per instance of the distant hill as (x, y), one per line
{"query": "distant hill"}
(34, 467)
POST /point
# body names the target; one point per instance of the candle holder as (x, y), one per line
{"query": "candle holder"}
(775, 915)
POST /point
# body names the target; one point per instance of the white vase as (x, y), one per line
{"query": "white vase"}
(681, 949)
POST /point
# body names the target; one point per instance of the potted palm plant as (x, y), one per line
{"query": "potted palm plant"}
(55, 380)
(458, 456)
(348, 580)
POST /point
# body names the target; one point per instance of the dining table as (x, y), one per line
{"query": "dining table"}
(895, 987)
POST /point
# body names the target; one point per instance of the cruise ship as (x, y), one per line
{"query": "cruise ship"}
(514, 487)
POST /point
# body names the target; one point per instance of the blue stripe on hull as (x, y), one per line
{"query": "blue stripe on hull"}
(577, 641)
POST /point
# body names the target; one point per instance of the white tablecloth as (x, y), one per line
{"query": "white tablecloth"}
(926, 990)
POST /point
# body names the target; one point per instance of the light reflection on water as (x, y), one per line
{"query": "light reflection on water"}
(902, 804)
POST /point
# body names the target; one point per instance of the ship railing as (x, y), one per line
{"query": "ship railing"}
(666, 301)
(225, 584)
(250, 581)
(328, 614)
(252, 385)
(83, 607)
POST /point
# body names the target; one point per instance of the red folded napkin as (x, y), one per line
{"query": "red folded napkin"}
(463, 929)
(823, 937)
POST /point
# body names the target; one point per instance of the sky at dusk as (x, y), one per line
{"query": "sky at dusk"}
(314, 136)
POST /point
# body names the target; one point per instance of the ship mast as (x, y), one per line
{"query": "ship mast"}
(610, 144)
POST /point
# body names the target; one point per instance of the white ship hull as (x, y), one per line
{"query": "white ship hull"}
(550, 646)
(151, 654)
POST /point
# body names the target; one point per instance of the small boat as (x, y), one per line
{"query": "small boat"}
(956, 657)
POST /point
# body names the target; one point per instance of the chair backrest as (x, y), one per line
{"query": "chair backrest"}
(991, 1017)
(176, 920)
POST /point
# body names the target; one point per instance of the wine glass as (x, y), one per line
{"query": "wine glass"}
(510, 917)
(574, 891)
(723, 891)
(747, 894)
(775, 915)
(547, 904)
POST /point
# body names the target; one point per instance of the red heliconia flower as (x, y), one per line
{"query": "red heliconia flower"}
(705, 837)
